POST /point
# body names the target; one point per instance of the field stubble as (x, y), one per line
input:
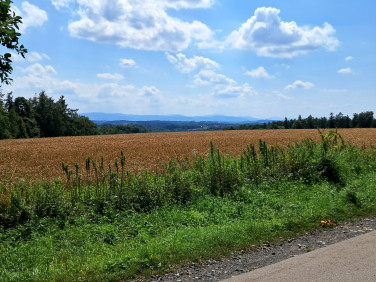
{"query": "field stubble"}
(40, 159)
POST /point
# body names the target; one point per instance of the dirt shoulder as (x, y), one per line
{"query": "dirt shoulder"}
(244, 261)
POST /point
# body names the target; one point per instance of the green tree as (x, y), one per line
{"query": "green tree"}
(286, 123)
(83, 126)
(4, 120)
(343, 121)
(9, 101)
(22, 107)
(310, 122)
(323, 122)
(26, 113)
(56, 119)
(14, 124)
(363, 120)
(9, 38)
(331, 121)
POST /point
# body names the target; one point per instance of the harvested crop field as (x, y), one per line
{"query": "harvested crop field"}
(31, 159)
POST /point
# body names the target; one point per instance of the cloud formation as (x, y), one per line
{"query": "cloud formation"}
(90, 96)
(345, 71)
(127, 63)
(185, 65)
(142, 25)
(39, 70)
(300, 84)
(260, 72)
(267, 35)
(32, 16)
(223, 86)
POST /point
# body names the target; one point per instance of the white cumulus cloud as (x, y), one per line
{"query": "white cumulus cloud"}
(127, 63)
(39, 70)
(142, 25)
(32, 16)
(186, 65)
(223, 86)
(349, 58)
(300, 84)
(267, 35)
(260, 72)
(206, 77)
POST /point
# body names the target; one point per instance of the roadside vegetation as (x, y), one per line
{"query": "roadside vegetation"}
(106, 222)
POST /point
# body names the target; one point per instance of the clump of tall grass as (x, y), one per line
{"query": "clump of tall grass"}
(97, 189)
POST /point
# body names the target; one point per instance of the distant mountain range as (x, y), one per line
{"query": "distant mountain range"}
(97, 116)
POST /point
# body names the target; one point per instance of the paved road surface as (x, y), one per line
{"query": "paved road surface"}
(350, 260)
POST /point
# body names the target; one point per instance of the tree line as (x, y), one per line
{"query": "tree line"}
(361, 120)
(108, 129)
(41, 116)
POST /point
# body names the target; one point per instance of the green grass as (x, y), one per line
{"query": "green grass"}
(113, 225)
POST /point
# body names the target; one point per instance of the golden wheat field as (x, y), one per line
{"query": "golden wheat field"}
(32, 159)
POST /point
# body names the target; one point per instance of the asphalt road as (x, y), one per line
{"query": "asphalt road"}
(350, 260)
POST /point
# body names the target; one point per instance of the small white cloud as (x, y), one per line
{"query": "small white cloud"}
(345, 71)
(300, 84)
(39, 70)
(206, 77)
(32, 16)
(186, 65)
(111, 76)
(260, 72)
(127, 63)
(349, 58)
(269, 36)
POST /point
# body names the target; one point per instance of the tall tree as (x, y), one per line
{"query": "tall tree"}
(286, 123)
(26, 113)
(310, 122)
(4, 120)
(363, 120)
(9, 101)
(331, 121)
(9, 38)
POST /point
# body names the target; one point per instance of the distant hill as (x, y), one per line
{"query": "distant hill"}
(97, 116)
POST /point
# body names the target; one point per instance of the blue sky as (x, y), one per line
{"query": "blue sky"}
(259, 58)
